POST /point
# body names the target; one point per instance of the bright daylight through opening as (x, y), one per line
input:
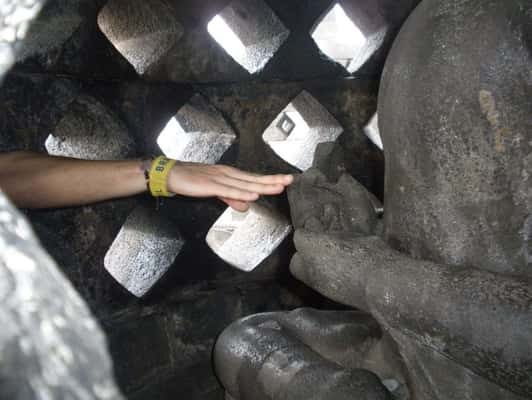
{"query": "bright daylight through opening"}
(338, 37)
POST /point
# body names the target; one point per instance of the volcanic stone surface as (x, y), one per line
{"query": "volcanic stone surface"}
(244, 240)
(141, 30)
(50, 345)
(90, 131)
(143, 250)
(299, 128)
(258, 32)
(197, 133)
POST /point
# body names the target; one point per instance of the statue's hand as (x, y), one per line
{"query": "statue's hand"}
(327, 216)
(330, 264)
(342, 207)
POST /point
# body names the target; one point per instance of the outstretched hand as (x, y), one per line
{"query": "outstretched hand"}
(234, 187)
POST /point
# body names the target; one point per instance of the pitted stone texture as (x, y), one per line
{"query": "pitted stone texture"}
(15, 19)
(50, 31)
(372, 131)
(458, 168)
(320, 206)
(26, 120)
(143, 251)
(299, 355)
(258, 33)
(197, 133)
(50, 345)
(454, 110)
(299, 128)
(350, 36)
(143, 31)
(436, 308)
(90, 131)
(244, 240)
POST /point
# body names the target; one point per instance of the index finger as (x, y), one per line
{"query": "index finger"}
(277, 179)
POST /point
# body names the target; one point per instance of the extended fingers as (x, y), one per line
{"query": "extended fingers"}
(259, 188)
(201, 180)
(279, 179)
(233, 193)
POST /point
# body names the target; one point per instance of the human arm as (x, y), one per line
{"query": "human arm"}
(34, 180)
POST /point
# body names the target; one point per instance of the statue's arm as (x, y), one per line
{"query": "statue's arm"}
(480, 319)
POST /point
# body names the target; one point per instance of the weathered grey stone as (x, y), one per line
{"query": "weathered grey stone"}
(143, 251)
(141, 30)
(197, 133)
(250, 32)
(244, 240)
(50, 345)
(329, 159)
(26, 119)
(407, 295)
(90, 131)
(56, 23)
(458, 168)
(454, 110)
(299, 355)
(15, 20)
(299, 128)
(351, 38)
(318, 205)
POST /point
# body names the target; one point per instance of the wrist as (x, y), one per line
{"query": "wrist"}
(171, 182)
(159, 177)
(145, 167)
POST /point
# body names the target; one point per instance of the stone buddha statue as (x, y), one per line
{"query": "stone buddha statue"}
(441, 283)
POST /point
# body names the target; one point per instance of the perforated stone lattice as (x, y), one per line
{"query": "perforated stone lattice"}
(143, 32)
(299, 128)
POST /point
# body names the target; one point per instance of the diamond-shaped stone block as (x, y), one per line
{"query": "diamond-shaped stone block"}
(299, 128)
(144, 249)
(197, 133)
(90, 131)
(250, 33)
(143, 31)
(244, 240)
(339, 37)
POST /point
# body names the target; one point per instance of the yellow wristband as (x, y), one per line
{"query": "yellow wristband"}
(158, 175)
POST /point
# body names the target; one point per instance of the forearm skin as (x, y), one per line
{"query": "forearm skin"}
(34, 180)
